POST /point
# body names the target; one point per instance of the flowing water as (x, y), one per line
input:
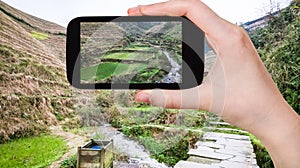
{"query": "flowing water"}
(173, 76)
(138, 156)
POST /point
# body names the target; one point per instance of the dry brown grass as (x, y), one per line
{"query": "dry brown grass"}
(34, 91)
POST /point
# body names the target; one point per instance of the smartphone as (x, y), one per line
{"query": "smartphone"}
(134, 52)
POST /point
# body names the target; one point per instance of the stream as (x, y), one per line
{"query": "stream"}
(139, 157)
(173, 76)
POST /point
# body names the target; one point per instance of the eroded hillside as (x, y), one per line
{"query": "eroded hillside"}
(34, 89)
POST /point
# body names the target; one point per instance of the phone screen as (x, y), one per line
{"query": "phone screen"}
(134, 52)
(131, 52)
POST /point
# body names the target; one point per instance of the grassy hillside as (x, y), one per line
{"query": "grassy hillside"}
(34, 90)
(36, 95)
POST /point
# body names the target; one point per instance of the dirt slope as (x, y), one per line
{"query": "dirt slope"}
(34, 91)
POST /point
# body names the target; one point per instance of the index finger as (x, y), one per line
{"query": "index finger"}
(195, 10)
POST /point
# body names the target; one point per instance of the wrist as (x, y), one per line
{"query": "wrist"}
(280, 134)
(278, 122)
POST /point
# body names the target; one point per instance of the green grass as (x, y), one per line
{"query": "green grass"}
(102, 71)
(137, 47)
(88, 73)
(128, 55)
(121, 55)
(32, 152)
(69, 162)
(171, 149)
(106, 70)
(39, 35)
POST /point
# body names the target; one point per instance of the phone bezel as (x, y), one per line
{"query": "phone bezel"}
(192, 53)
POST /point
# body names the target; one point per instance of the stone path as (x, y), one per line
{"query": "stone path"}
(221, 150)
(73, 141)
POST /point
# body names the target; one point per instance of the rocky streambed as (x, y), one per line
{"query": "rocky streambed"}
(136, 155)
(174, 75)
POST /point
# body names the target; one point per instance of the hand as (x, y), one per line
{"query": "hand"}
(238, 88)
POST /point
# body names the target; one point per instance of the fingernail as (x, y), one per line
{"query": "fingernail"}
(143, 97)
(133, 10)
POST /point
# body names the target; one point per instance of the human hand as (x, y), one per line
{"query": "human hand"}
(238, 88)
(237, 84)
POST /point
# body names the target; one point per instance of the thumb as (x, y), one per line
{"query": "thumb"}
(194, 98)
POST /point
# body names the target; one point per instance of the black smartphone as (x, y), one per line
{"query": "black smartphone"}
(134, 52)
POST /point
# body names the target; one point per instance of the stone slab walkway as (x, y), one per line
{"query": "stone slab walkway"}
(221, 150)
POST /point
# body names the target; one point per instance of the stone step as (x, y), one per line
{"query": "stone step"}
(221, 150)
(216, 136)
(202, 160)
(223, 164)
(230, 164)
(188, 164)
(209, 154)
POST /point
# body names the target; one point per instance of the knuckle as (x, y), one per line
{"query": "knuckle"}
(171, 103)
(238, 34)
(141, 9)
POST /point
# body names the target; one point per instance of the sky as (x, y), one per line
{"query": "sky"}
(62, 11)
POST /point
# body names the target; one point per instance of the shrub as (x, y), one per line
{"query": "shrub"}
(164, 145)
(69, 162)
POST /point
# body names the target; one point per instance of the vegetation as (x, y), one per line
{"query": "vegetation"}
(14, 17)
(39, 35)
(167, 145)
(161, 131)
(278, 45)
(131, 53)
(34, 91)
(69, 162)
(35, 95)
(127, 66)
(32, 152)
(262, 156)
